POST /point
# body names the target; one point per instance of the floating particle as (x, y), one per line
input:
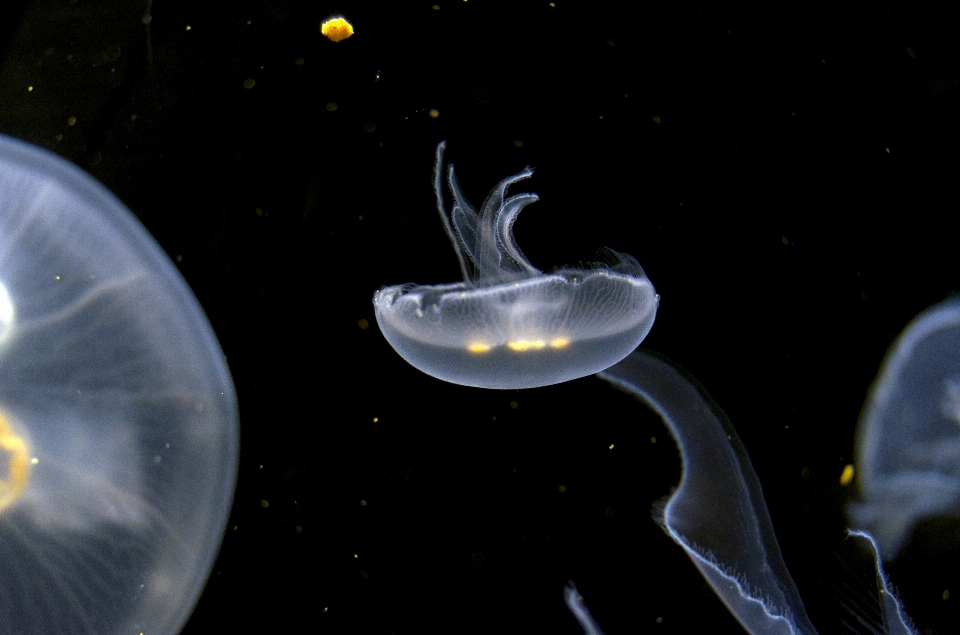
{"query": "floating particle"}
(846, 477)
(336, 29)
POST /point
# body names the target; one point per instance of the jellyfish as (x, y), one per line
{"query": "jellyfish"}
(508, 325)
(118, 418)
(908, 439)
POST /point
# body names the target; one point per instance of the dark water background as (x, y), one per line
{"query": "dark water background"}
(785, 175)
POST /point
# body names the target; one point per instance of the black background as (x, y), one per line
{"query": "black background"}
(786, 175)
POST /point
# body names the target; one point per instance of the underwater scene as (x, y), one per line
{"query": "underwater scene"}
(278, 345)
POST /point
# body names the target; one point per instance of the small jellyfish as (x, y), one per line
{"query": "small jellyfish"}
(908, 441)
(508, 325)
(118, 422)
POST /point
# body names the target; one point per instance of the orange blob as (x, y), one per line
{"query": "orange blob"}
(336, 29)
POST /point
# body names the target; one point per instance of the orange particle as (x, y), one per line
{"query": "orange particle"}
(336, 29)
(846, 477)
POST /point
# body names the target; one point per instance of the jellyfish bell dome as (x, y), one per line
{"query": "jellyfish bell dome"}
(118, 418)
(508, 325)
(542, 330)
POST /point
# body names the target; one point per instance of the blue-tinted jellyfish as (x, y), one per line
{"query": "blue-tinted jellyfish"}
(908, 440)
(908, 455)
(118, 424)
(717, 514)
(507, 325)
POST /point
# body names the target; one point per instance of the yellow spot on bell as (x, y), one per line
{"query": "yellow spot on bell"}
(17, 460)
(478, 348)
(526, 345)
(559, 343)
